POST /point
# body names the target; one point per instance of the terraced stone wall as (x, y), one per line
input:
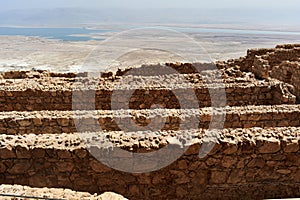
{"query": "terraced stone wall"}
(256, 155)
(50, 122)
(236, 95)
(240, 165)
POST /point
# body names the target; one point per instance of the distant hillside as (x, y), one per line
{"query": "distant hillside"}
(76, 16)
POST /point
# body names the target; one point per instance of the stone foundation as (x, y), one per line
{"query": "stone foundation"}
(244, 160)
(46, 122)
(256, 155)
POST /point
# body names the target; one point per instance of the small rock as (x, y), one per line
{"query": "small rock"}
(24, 123)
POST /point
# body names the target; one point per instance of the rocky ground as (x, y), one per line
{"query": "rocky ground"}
(18, 192)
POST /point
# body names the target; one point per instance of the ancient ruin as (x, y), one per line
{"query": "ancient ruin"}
(257, 154)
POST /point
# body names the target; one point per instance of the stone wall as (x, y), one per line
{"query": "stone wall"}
(288, 72)
(47, 122)
(256, 155)
(281, 63)
(236, 95)
(254, 166)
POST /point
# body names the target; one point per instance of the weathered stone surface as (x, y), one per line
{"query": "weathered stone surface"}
(99, 167)
(63, 122)
(2, 167)
(111, 196)
(231, 149)
(56, 193)
(19, 167)
(256, 155)
(7, 153)
(229, 162)
(270, 147)
(292, 147)
(256, 162)
(65, 166)
(37, 121)
(218, 177)
(25, 123)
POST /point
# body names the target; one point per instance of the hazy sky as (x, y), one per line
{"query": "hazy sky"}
(201, 4)
(279, 12)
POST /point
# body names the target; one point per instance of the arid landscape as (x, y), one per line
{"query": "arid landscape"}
(154, 100)
(52, 138)
(25, 53)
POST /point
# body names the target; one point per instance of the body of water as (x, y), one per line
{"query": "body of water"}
(65, 34)
(233, 31)
(73, 34)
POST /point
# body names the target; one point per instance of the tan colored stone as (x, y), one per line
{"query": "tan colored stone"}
(111, 196)
(218, 177)
(201, 177)
(146, 179)
(157, 179)
(182, 179)
(291, 148)
(19, 167)
(256, 162)
(24, 123)
(254, 117)
(231, 149)
(212, 161)
(7, 154)
(182, 164)
(22, 153)
(284, 171)
(38, 181)
(38, 153)
(64, 154)
(236, 176)
(296, 176)
(2, 167)
(83, 181)
(63, 121)
(99, 167)
(37, 122)
(229, 162)
(181, 192)
(134, 190)
(65, 166)
(192, 150)
(270, 147)
(81, 153)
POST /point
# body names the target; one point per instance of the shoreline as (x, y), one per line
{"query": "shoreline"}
(26, 52)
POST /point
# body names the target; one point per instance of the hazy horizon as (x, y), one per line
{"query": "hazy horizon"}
(77, 12)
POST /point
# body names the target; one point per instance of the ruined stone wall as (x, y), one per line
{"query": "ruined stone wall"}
(281, 63)
(241, 165)
(236, 95)
(288, 72)
(256, 156)
(50, 122)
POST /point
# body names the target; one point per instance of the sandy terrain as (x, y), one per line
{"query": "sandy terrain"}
(18, 52)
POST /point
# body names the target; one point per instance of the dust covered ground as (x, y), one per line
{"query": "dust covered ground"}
(20, 52)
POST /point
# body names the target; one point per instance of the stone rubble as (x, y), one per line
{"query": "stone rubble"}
(52, 193)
